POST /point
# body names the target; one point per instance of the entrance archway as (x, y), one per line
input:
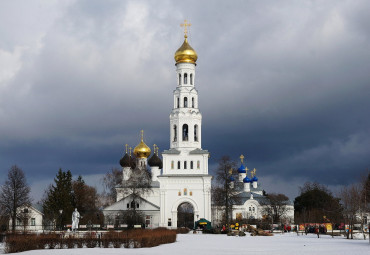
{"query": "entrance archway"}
(185, 215)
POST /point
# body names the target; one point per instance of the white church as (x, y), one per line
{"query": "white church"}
(182, 179)
(183, 176)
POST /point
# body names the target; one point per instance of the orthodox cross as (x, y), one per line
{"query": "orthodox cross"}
(154, 148)
(253, 172)
(126, 145)
(231, 171)
(142, 135)
(185, 25)
(130, 151)
(241, 158)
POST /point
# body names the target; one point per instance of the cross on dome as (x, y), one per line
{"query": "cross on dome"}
(185, 25)
(242, 158)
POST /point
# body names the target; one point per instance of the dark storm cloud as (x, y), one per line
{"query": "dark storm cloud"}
(285, 83)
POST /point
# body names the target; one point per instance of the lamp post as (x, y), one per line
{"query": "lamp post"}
(60, 215)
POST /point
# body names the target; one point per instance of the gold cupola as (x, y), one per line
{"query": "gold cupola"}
(186, 54)
(142, 150)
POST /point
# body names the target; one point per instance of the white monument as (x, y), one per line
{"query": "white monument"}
(75, 219)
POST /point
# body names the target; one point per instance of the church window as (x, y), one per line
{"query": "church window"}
(172, 164)
(178, 102)
(33, 222)
(179, 193)
(191, 164)
(198, 164)
(185, 78)
(174, 133)
(185, 192)
(137, 205)
(128, 205)
(191, 79)
(178, 164)
(192, 102)
(254, 209)
(185, 130)
(25, 210)
(169, 222)
(191, 193)
(133, 204)
(196, 133)
(185, 102)
(185, 165)
(179, 78)
(250, 209)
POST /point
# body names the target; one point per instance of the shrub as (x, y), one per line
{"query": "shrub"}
(137, 238)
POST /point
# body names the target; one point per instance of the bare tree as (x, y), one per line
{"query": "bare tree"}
(110, 180)
(223, 193)
(275, 206)
(351, 200)
(14, 194)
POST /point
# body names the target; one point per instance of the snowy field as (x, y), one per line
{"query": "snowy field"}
(192, 244)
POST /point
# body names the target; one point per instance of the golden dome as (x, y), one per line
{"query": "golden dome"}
(142, 150)
(186, 54)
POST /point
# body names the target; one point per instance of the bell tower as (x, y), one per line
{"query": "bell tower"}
(185, 176)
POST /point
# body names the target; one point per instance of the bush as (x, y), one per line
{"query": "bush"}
(182, 230)
(137, 238)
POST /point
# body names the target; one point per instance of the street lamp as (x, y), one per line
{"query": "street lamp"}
(60, 214)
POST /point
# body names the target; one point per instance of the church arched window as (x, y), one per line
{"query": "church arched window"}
(174, 133)
(185, 78)
(192, 102)
(185, 192)
(178, 164)
(172, 164)
(196, 133)
(185, 102)
(191, 164)
(191, 79)
(178, 102)
(198, 164)
(185, 131)
(185, 164)
(132, 204)
(179, 78)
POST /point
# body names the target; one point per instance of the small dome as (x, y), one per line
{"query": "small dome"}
(231, 179)
(247, 180)
(125, 161)
(142, 150)
(186, 54)
(155, 161)
(254, 179)
(241, 169)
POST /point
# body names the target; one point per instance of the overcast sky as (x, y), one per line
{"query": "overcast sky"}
(286, 83)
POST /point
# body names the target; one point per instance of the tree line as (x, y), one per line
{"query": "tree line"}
(59, 200)
(314, 204)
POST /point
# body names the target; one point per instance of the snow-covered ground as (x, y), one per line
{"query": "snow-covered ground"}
(193, 244)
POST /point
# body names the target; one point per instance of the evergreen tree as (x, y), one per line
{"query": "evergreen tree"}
(86, 202)
(59, 196)
(317, 204)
